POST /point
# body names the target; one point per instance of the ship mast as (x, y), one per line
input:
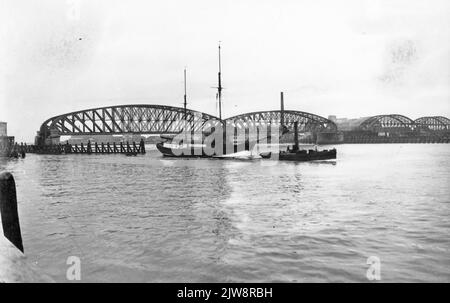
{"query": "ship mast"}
(219, 87)
(185, 95)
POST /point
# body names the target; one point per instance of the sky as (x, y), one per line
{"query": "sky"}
(349, 58)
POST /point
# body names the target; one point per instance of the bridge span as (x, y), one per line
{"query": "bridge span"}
(119, 120)
(395, 128)
(160, 119)
(142, 119)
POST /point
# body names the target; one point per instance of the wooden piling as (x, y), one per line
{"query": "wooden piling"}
(282, 108)
(296, 136)
(89, 148)
(8, 210)
(142, 146)
(14, 266)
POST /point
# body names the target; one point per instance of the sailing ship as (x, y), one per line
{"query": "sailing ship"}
(192, 149)
(196, 147)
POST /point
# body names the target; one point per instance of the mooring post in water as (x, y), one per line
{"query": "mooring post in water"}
(282, 108)
(89, 148)
(23, 150)
(142, 146)
(8, 210)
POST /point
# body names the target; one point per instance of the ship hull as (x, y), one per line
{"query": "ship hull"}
(303, 156)
(191, 152)
(172, 152)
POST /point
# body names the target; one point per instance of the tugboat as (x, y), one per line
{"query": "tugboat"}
(301, 155)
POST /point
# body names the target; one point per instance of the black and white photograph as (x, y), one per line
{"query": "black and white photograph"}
(255, 142)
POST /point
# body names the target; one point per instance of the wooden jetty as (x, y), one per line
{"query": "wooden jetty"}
(14, 265)
(89, 148)
(10, 149)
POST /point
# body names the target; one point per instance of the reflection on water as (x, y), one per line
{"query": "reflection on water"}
(150, 218)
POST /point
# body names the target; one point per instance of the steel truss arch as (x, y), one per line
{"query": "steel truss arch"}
(125, 119)
(307, 122)
(434, 123)
(388, 122)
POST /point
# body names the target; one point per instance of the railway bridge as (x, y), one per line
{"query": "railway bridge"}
(143, 119)
(395, 128)
(120, 120)
(160, 119)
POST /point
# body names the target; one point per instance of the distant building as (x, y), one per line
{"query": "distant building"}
(332, 118)
(6, 143)
(3, 129)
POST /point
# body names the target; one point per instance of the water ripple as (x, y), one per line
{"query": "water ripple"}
(152, 219)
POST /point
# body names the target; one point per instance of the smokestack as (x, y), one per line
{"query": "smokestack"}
(282, 108)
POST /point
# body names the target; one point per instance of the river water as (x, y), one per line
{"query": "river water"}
(153, 219)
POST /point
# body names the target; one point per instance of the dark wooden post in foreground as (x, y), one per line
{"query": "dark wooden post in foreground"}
(142, 146)
(8, 210)
(282, 109)
(296, 136)
(89, 148)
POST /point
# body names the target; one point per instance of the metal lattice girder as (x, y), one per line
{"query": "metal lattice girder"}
(124, 119)
(306, 122)
(435, 123)
(388, 122)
